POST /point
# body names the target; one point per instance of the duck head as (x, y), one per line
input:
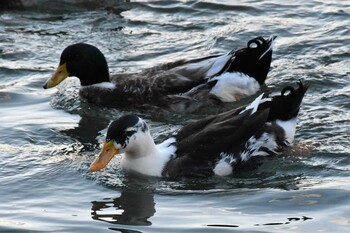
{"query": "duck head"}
(128, 134)
(255, 59)
(83, 61)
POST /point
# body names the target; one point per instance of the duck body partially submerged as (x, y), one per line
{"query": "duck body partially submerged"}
(181, 86)
(216, 145)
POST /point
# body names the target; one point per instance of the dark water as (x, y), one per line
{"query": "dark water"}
(49, 137)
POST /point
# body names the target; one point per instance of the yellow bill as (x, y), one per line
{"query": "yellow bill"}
(60, 75)
(108, 152)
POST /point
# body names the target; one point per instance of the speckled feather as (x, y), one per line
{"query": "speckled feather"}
(239, 136)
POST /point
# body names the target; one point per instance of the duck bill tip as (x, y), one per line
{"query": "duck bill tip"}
(106, 155)
(60, 74)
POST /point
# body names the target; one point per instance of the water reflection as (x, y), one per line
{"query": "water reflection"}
(290, 220)
(131, 208)
(87, 130)
(134, 206)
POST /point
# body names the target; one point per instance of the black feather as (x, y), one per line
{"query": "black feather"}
(117, 129)
(227, 132)
(200, 144)
(285, 106)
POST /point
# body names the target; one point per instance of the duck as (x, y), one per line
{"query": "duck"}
(182, 86)
(220, 145)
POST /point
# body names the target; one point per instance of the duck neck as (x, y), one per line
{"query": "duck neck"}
(95, 77)
(144, 157)
(144, 146)
(91, 71)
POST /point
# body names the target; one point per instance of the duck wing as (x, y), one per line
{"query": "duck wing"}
(172, 78)
(200, 144)
(190, 84)
(239, 137)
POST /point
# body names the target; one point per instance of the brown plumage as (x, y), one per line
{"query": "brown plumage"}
(181, 86)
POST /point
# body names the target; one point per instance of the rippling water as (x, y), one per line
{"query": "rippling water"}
(47, 139)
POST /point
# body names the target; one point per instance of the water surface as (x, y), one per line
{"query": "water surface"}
(48, 138)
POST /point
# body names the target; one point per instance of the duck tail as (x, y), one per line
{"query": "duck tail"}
(285, 106)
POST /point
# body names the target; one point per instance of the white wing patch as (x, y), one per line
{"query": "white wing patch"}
(265, 100)
(218, 65)
(253, 105)
(232, 87)
(212, 65)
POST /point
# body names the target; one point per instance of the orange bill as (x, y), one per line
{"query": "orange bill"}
(60, 74)
(108, 152)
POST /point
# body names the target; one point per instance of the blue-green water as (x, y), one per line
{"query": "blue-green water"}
(49, 137)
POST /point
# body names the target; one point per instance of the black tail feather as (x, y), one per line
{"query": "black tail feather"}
(249, 60)
(286, 106)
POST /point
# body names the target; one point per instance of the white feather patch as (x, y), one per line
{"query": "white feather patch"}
(231, 87)
(268, 49)
(218, 65)
(104, 85)
(289, 128)
(254, 145)
(150, 159)
(265, 100)
(224, 166)
(211, 65)
(253, 105)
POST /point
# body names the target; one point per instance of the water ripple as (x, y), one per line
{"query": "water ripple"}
(49, 137)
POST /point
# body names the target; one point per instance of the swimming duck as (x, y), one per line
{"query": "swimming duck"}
(181, 86)
(215, 145)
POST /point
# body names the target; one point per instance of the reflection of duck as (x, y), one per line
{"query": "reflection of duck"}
(87, 129)
(214, 145)
(131, 208)
(181, 86)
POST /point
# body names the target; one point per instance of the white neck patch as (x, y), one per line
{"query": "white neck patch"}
(150, 159)
(103, 85)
